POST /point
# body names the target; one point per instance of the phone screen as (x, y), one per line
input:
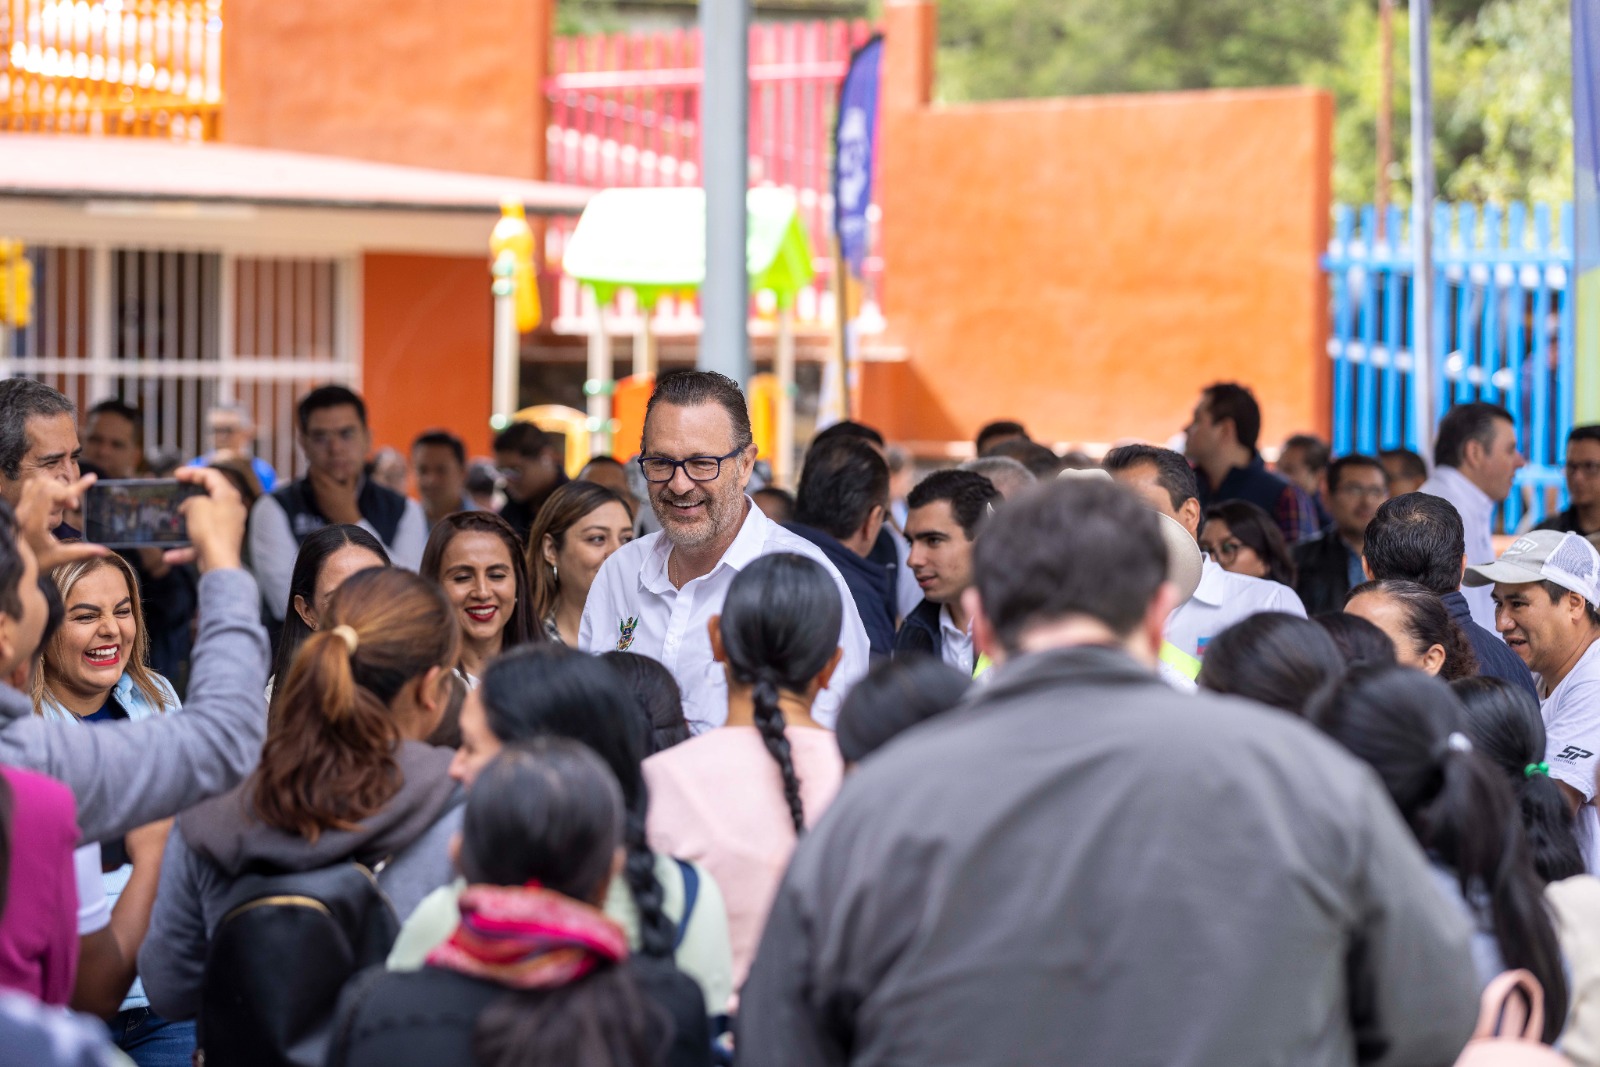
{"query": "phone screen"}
(137, 513)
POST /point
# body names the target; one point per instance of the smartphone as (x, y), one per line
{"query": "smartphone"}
(137, 513)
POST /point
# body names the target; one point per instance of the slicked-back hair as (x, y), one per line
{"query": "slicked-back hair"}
(843, 480)
(998, 428)
(523, 439)
(1467, 422)
(1070, 548)
(1230, 400)
(970, 496)
(1173, 472)
(847, 428)
(691, 388)
(22, 399)
(442, 439)
(1417, 537)
(329, 396)
(1337, 468)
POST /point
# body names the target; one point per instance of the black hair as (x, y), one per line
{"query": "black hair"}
(22, 399)
(522, 626)
(1557, 592)
(659, 697)
(1417, 537)
(843, 480)
(442, 439)
(1041, 460)
(970, 497)
(780, 627)
(523, 439)
(125, 411)
(783, 499)
(1467, 422)
(845, 428)
(1427, 623)
(548, 689)
(11, 564)
(1074, 547)
(1590, 432)
(690, 388)
(314, 554)
(1353, 461)
(604, 461)
(549, 811)
(1411, 464)
(1230, 400)
(329, 396)
(1406, 726)
(1315, 448)
(1360, 642)
(1257, 530)
(1504, 723)
(1173, 472)
(1283, 661)
(998, 428)
(893, 696)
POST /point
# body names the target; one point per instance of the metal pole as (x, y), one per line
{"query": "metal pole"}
(783, 449)
(724, 122)
(1385, 114)
(1422, 384)
(600, 384)
(506, 341)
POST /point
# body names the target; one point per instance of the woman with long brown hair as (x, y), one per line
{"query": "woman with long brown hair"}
(577, 530)
(476, 558)
(345, 776)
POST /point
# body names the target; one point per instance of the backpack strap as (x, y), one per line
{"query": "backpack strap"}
(691, 893)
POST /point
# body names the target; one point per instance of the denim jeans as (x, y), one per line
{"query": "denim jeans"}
(151, 1041)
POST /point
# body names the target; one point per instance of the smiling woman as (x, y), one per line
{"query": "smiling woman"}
(476, 558)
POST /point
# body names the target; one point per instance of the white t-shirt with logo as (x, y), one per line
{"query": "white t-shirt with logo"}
(1572, 739)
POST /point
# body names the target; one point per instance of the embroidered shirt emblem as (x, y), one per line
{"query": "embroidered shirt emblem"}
(625, 630)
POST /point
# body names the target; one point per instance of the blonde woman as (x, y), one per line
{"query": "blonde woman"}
(95, 670)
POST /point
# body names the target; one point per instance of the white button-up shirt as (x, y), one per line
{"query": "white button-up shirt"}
(955, 644)
(1477, 521)
(634, 607)
(1221, 599)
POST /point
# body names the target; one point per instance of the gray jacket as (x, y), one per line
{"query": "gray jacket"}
(1083, 866)
(125, 774)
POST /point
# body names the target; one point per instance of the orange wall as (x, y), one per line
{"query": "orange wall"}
(1087, 265)
(426, 333)
(451, 85)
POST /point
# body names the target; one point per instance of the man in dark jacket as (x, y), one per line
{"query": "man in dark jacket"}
(943, 514)
(1329, 565)
(840, 507)
(1419, 538)
(1084, 866)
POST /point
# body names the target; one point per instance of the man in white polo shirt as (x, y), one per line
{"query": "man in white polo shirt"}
(658, 594)
(1165, 481)
(1546, 588)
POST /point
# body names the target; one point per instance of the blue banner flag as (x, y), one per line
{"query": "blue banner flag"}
(854, 140)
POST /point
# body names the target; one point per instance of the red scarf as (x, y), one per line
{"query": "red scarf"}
(528, 937)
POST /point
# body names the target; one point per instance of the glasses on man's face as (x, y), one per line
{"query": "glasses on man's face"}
(1356, 492)
(1587, 468)
(660, 469)
(1223, 552)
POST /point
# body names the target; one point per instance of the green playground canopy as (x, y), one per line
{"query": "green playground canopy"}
(653, 241)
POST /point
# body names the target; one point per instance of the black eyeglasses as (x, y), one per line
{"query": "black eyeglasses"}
(699, 468)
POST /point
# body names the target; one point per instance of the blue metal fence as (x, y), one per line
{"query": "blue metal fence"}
(1502, 331)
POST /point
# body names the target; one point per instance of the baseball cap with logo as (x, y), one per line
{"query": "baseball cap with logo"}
(1568, 560)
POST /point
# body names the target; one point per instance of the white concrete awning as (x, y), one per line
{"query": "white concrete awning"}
(71, 189)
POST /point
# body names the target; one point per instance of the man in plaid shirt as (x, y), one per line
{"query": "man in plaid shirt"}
(1222, 446)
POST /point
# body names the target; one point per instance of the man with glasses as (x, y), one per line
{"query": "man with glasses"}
(334, 489)
(1583, 484)
(1329, 565)
(659, 595)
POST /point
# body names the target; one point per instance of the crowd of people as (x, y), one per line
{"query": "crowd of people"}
(1152, 757)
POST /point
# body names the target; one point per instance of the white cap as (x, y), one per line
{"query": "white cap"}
(1568, 560)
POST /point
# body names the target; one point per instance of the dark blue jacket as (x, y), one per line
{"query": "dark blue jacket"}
(1495, 658)
(920, 633)
(868, 582)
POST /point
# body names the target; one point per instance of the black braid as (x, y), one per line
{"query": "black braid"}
(657, 934)
(769, 720)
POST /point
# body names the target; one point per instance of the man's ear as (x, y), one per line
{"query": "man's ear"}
(825, 675)
(1366, 568)
(714, 630)
(875, 517)
(1189, 516)
(1472, 453)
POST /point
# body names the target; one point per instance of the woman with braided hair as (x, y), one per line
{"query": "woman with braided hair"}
(738, 797)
